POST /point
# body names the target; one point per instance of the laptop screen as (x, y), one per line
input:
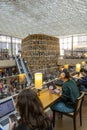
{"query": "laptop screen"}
(51, 84)
(6, 107)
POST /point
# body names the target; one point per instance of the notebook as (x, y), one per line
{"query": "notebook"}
(6, 109)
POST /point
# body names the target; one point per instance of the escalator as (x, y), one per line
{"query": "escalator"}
(19, 65)
(23, 68)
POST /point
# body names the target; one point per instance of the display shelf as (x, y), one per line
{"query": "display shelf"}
(40, 51)
(4, 54)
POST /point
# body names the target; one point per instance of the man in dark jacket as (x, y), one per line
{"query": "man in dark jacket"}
(83, 80)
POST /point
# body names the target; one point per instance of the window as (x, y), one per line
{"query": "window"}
(11, 43)
(73, 43)
(65, 44)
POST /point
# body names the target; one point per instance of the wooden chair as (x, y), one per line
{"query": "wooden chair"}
(77, 110)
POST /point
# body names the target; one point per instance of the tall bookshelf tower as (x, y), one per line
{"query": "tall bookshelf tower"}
(40, 51)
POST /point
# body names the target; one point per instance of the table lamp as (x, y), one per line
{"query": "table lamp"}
(1, 70)
(85, 54)
(78, 67)
(22, 77)
(38, 80)
(60, 68)
(83, 63)
(66, 66)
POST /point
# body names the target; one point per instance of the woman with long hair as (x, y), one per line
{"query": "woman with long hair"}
(32, 115)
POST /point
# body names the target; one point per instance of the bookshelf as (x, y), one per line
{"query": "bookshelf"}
(40, 51)
(4, 54)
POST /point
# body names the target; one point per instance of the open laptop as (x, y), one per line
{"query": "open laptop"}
(51, 84)
(6, 109)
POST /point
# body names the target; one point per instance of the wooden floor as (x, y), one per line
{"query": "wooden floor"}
(66, 123)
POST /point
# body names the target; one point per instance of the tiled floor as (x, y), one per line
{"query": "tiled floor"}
(66, 123)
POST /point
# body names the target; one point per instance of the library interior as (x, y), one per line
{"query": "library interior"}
(43, 64)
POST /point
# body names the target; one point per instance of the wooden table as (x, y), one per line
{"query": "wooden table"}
(78, 76)
(48, 98)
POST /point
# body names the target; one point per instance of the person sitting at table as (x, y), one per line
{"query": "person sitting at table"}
(59, 82)
(32, 115)
(70, 93)
(82, 82)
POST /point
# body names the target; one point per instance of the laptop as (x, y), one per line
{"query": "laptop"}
(6, 109)
(51, 84)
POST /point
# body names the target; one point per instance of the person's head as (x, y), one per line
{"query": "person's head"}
(64, 75)
(28, 103)
(30, 108)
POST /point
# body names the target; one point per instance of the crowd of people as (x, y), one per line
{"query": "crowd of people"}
(30, 108)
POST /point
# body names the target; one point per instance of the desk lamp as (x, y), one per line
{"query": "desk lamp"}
(83, 63)
(22, 78)
(78, 67)
(60, 68)
(66, 66)
(38, 81)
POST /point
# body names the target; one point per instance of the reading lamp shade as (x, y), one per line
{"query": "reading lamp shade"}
(66, 66)
(22, 77)
(38, 80)
(83, 63)
(78, 67)
(60, 68)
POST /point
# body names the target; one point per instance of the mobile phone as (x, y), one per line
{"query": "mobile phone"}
(13, 117)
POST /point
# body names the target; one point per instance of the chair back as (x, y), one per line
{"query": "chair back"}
(78, 104)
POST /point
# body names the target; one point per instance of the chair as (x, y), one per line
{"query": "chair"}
(77, 110)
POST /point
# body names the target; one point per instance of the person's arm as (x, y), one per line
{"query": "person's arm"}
(11, 124)
(65, 93)
(83, 81)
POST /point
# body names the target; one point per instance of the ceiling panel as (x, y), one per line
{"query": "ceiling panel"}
(53, 17)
